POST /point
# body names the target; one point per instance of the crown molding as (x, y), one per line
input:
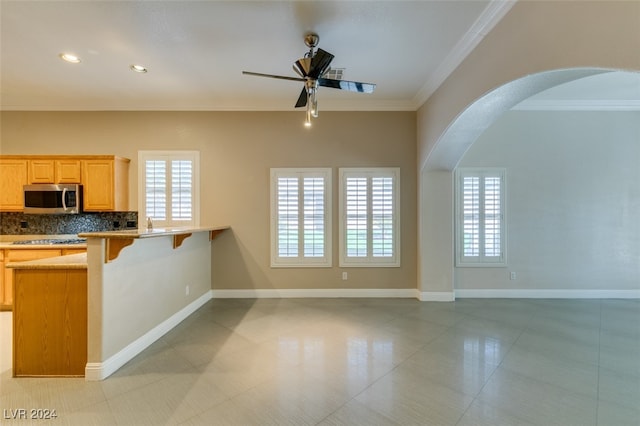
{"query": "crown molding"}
(493, 13)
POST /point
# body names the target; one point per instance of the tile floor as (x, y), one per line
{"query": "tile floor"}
(365, 362)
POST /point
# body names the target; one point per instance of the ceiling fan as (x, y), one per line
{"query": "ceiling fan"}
(312, 69)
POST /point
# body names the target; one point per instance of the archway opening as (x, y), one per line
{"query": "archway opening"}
(439, 274)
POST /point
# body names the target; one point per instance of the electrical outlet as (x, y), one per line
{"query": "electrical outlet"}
(131, 224)
(186, 290)
(345, 276)
(512, 276)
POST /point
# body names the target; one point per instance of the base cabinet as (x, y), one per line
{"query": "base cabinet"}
(6, 274)
(50, 322)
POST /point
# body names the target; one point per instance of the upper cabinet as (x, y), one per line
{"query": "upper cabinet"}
(105, 179)
(41, 171)
(13, 175)
(68, 171)
(48, 170)
(105, 184)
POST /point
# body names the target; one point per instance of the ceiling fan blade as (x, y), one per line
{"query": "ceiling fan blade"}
(302, 66)
(302, 99)
(320, 63)
(281, 77)
(351, 86)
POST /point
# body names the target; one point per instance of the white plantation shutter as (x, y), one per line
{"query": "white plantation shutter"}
(356, 217)
(288, 217)
(314, 216)
(480, 225)
(181, 190)
(300, 217)
(492, 217)
(155, 192)
(170, 192)
(369, 206)
(382, 217)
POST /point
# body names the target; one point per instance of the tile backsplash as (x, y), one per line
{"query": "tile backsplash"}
(42, 224)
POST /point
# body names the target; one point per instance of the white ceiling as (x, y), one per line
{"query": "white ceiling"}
(196, 51)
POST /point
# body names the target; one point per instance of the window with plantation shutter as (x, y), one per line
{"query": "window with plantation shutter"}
(480, 224)
(370, 217)
(168, 192)
(301, 217)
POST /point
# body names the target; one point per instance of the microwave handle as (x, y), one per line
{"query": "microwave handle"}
(64, 198)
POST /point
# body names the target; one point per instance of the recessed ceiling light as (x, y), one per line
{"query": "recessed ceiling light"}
(138, 68)
(70, 57)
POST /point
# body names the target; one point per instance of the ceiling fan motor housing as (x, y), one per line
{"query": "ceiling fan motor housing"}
(311, 40)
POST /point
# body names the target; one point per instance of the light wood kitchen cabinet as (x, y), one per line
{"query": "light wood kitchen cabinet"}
(41, 171)
(13, 176)
(105, 184)
(18, 255)
(50, 323)
(105, 178)
(68, 171)
(52, 169)
(2, 286)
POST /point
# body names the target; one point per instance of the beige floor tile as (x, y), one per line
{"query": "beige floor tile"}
(464, 374)
(412, 400)
(483, 414)
(537, 402)
(463, 344)
(354, 413)
(366, 362)
(610, 414)
(573, 376)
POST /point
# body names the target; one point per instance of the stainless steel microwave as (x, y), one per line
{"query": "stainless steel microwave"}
(52, 199)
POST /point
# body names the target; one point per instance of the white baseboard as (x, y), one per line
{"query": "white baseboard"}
(101, 370)
(313, 293)
(546, 294)
(436, 296)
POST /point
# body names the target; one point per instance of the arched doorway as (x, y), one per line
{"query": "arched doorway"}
(436, 266)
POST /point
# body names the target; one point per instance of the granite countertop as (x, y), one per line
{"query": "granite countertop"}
(148, 233)
(71, 261)
(6, 242)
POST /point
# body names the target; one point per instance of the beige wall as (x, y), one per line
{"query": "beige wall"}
(237, 149)
(534, 37)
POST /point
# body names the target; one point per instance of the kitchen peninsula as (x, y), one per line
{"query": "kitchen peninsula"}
(50, 316)
(139, 285)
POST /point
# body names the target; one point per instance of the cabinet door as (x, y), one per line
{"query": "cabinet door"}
(41, 171)
(20, 256)
(13, 176)
(98, 182)
(3, 305)
(68, 171)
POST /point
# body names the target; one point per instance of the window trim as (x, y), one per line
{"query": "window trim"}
(481, 261)
(301, 261)
(194, 156)
(370, 261)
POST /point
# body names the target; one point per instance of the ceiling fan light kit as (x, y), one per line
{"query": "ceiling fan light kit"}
(312, 69)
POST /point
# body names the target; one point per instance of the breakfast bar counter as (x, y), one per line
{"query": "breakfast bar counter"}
(118, 240)
(141, 284)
